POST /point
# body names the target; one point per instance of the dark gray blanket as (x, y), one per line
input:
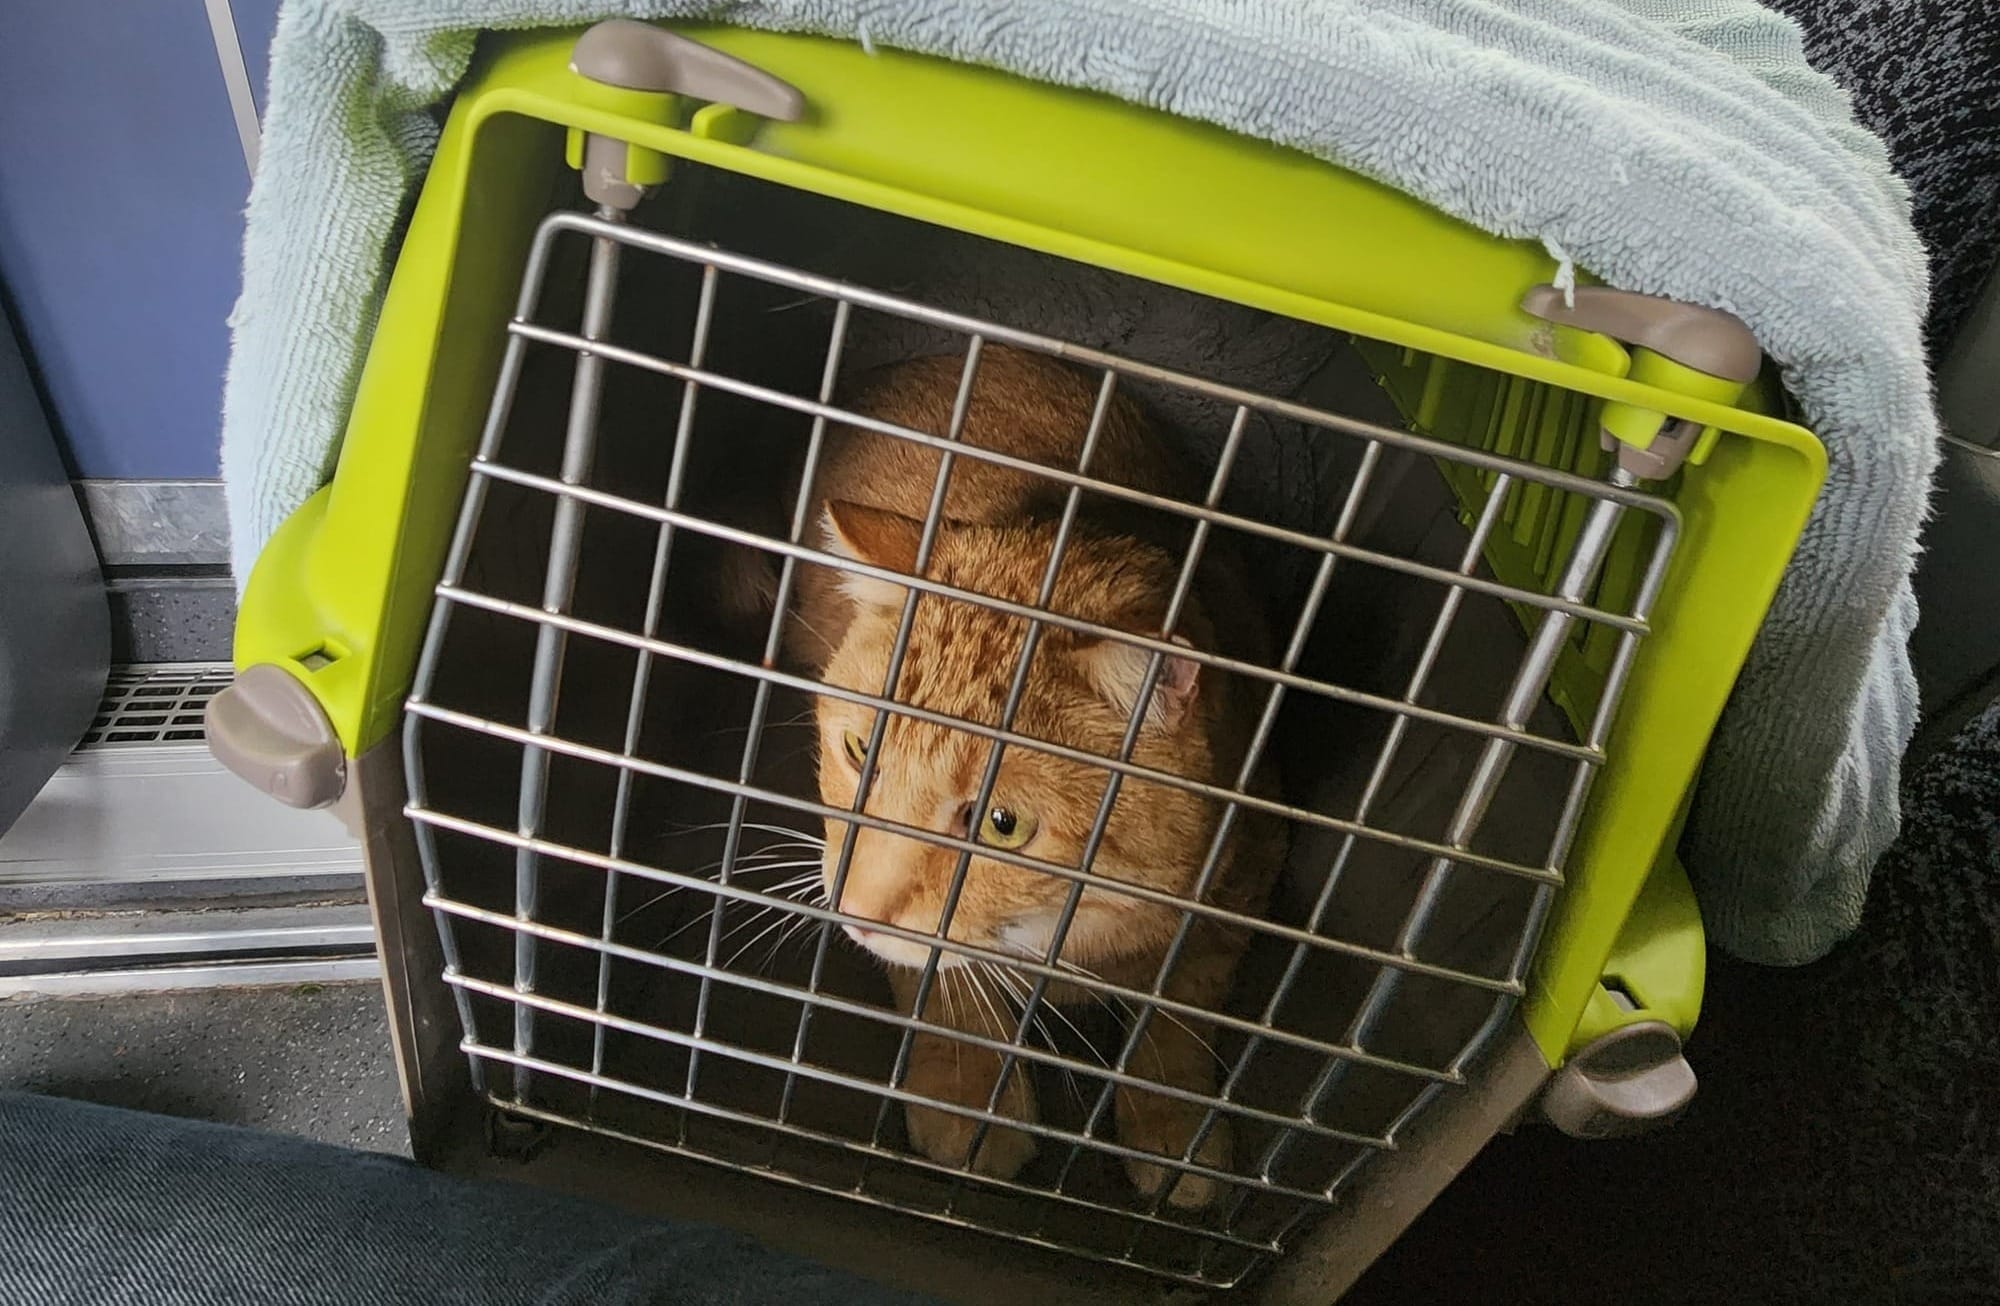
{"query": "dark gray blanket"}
(1925, 77)
(1844, 1149)
(105, 1207)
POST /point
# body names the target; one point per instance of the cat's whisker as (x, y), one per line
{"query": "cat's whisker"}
(759, 868)
(792, 886)
(1188, 1029)
(769, 724)
(969, 988)
(797, 930)
(653, 901)
(810, 873)
(751, 860)
(989, 975)
(729, 962)
(1101, 999)
(792, 864)
(997, 1003)
(1111, 1002)
(686, 925)
(786, 887)
(785, 921)
(801, 927)
(1130, 1012)
(1126, 1004)
(1023, 998)
(762, 965)
(1150, 1044)
(750, 920)
(789, 843)
(806, 835)
(982, 996)
(784, 856)
(794, 614)
(797, 718)
(1024, 992)
(719, 905)
(1064, 963)
(1056, 1010)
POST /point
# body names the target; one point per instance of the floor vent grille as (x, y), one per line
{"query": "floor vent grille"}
(156, 703)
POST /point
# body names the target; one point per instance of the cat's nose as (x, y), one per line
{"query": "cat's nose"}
(871, 897)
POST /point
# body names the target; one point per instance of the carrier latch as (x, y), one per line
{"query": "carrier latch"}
(1701, 352)
(269, 729)
(1627, 1081)
(630, 56)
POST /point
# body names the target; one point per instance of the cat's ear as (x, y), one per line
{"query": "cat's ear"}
(1118, 672)
(870, 535)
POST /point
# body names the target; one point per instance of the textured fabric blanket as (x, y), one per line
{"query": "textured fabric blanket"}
(1679, 147)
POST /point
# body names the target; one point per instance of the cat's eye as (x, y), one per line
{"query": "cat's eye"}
(1007, 827)
(855, 746)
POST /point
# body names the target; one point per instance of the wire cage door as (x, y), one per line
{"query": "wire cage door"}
(615, 813)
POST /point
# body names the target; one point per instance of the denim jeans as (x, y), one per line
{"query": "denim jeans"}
(105, 1207)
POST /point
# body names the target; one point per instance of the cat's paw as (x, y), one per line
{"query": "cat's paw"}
(1191, 1192)
(946, 1138)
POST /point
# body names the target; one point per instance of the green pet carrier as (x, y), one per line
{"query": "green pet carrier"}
(1540, 528)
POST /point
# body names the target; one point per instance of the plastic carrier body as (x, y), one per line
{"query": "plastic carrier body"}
(1628, 604)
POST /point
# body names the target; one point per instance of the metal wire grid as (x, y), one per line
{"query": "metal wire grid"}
(155, 703)
(1226, 1243)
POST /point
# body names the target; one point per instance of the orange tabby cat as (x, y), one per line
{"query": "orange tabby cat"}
(1119, 570)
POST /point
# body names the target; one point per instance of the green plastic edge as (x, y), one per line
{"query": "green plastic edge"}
(347, 577)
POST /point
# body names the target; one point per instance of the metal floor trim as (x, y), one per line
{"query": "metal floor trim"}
(161, 979)
(61, 941)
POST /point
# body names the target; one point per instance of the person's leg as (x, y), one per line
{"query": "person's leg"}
(104, 1207)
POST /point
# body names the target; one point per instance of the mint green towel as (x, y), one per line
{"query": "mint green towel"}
(1680, 147)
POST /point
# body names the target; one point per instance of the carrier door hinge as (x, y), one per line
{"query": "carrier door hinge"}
(647, 68)
(1704, 353)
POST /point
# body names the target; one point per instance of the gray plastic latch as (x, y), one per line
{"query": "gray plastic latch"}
(1626, 1082)
(269, 729)
(636, 56)
(1705, 339)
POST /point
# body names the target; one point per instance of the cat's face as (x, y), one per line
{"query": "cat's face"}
(961, 661)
